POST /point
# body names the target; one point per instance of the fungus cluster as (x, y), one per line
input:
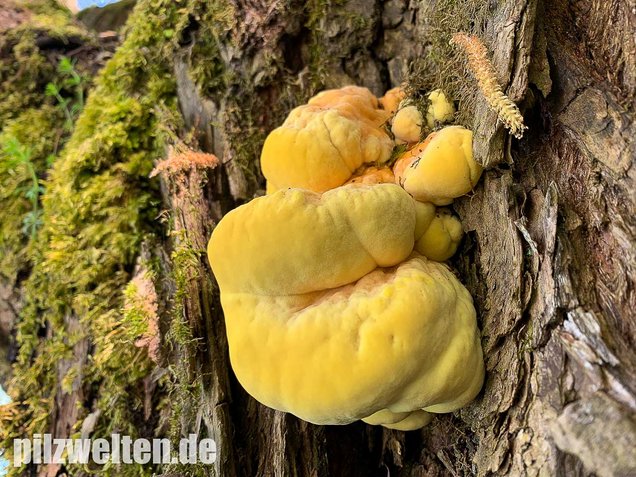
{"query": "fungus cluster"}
(337, 305)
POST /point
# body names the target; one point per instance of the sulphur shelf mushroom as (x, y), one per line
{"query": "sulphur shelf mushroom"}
(332, 316)
(440, 109)
(391, 100)
(372, 175)
(438, 232)
(321, 143)
(407, 124)
(441, 168)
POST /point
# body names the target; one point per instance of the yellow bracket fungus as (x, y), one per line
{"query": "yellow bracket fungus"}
(373, 175)
(336, 306)
(391, 100)
(333, 317)
(441, 168)
(407, 124)
(441, 110)
(441, 238)
(322, 143)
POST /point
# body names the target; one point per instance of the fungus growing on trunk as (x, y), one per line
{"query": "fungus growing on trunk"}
(407, 124)
(441, 110)
(441, 168)
(332, 316)
(391, 100)
(336, 306)
(322, 143)
(441, 238)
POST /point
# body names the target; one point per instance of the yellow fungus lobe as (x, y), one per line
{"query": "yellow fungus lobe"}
(331, 316)
(441, 168)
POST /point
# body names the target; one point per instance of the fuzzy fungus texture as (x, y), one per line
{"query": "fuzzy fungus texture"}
(336, 306)
(441, 168)
(407, 124)
(373, 175)
(322, 143)
(441, 238)
(333, 317)
(440, 109)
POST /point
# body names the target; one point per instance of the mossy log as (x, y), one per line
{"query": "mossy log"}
(34, 37)
(549, 255)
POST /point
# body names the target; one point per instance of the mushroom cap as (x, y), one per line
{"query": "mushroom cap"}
(320, 144)
(440, 110)
(405, 160)
(424, 215)
(400, 421)
(295, 232)
(407, 124)
(440, 169)
(353, 102)
(331, 317)
(440, 240)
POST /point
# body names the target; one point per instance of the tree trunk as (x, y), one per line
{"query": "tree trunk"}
(549, 256)
(549, 253)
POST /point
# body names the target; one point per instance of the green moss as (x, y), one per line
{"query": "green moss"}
(28, 117)
(214, 21)
(98, 206)
(185, 385)
(24, 68)
(20, 90)
(319, 58)
(37, 130)
(135, 314)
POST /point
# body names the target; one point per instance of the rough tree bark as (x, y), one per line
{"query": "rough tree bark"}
(549, 253)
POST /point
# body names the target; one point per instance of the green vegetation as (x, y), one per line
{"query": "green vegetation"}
(98, 207)
(16, 155)
(24, 68)
(184, 386)
(21, 166)
(29, 127)
(72, 81)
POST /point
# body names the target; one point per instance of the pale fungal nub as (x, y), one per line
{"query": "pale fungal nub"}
(484, 72)
(407, 124)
